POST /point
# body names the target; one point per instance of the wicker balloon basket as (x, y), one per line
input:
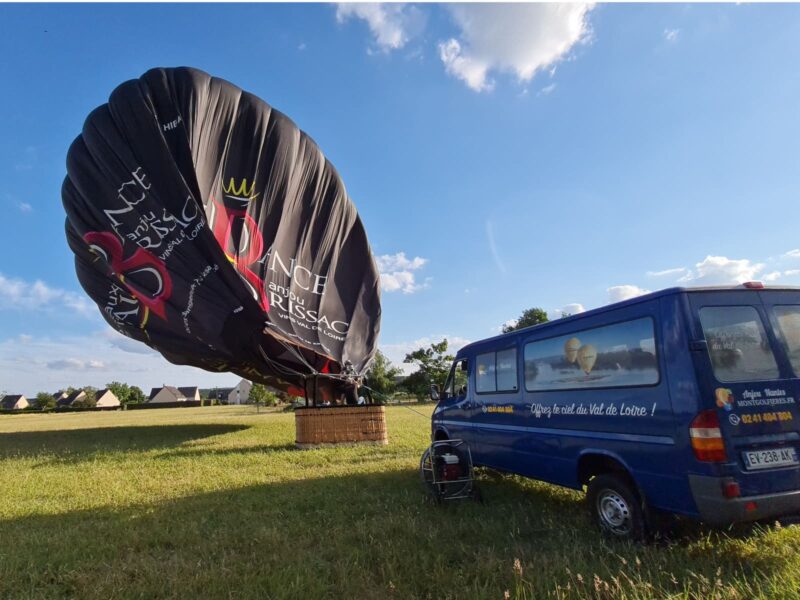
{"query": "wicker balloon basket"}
(327, 425)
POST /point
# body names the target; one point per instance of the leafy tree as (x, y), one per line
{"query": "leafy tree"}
(260, 394)
(417, 384)
(529, 317)
(136, 395)
(44, 400)
(433, 366)
(381, 375)
(90, 400)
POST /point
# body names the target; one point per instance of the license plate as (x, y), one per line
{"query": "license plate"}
(769, 459)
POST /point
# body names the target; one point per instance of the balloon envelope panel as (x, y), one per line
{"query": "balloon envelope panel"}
(207, 225)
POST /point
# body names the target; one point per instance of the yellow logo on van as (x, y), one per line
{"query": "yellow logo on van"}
(724, 398)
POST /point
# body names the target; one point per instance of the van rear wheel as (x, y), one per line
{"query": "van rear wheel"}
(616, 508)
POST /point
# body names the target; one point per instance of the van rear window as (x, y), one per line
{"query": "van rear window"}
(737, 343)
(789, 324)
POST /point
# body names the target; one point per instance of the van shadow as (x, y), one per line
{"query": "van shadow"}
(74, 445)
(668, 529)
(358, 536)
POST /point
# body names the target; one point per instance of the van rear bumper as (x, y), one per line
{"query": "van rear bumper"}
(716, 509)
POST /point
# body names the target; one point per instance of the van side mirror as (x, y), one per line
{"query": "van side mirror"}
(435, 392)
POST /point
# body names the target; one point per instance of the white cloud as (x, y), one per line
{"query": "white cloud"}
(391, 24)
(509, 323)
(791, 272)
(397, 273)
(24, 207)
(546, 90)
(518, 38)
(24, 338)
(567, 309)
(617, 293)
(720, 270)
(75, 364)
(19, 294)
(397, 352)
(38, 364)
(771, 276)
(793, 253)
(671, 35)
(665, 272)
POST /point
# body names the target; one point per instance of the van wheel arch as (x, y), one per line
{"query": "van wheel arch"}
(596, 468)
(592, 465)
(440, 435)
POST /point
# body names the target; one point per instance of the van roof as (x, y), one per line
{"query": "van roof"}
(629, 302)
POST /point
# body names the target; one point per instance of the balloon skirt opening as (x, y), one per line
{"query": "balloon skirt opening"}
(327, 425)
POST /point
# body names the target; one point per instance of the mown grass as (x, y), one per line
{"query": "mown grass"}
(216, 502)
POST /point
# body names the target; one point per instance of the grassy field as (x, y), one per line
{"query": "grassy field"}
(216, 502)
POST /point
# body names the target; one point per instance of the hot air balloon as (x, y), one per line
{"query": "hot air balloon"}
(206, 225)
(587, 356)
(571, 349)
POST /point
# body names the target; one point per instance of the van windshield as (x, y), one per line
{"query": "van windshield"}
(789, 324)
(738, 345)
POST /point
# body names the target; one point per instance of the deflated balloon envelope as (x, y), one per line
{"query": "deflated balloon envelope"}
(207, 225)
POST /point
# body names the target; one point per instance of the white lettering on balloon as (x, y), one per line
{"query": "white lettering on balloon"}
(150, 229)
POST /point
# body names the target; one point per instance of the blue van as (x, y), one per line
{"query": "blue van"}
(683, 400)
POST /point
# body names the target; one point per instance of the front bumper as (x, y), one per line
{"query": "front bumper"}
(716, 509)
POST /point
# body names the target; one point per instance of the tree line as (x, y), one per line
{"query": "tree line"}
(432, 364)
(126, 394)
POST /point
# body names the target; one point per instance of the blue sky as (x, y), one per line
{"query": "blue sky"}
(516, 156)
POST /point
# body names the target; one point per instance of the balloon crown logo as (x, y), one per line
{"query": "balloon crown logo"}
(241, 192)
(724, 398)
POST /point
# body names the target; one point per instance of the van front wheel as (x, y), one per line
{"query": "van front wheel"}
(616, 507)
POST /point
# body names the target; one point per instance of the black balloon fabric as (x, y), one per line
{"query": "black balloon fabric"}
(208, 226)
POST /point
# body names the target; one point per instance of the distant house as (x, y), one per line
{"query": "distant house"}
(106, 399)
(58, 396)
(169, 393)
(191, 393)
(241, 393)
(71, 399)
(219, 394)
(14, 402)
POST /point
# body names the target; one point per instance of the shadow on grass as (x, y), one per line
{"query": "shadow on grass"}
(356, 536)
(203, 452)
(82, 444)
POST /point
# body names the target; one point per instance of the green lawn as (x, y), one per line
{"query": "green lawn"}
(216, 502)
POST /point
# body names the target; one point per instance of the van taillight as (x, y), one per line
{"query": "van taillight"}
(707, 438)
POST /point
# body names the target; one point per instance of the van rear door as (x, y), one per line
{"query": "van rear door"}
(747, 376)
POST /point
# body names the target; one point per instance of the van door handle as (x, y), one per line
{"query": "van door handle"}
(698, 345)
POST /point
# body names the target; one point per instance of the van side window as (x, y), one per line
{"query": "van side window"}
(618, 355)
(456, 385)
(496, 372)
(737, 343)
(789, 324)
(484, 373)
(507, 370)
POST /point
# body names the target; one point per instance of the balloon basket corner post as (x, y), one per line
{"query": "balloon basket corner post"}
(323, 426)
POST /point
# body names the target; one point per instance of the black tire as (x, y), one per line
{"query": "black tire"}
(616, 508)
